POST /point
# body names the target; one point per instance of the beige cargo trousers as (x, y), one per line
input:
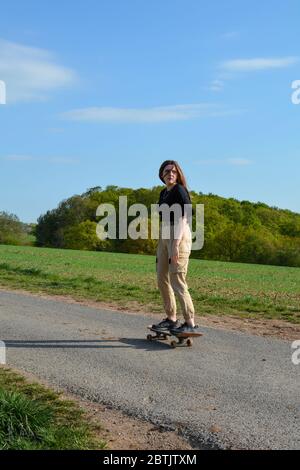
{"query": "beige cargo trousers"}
(171, 277)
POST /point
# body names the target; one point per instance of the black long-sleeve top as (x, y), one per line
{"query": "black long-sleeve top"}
(176, 195)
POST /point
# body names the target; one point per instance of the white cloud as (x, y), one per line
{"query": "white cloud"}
(55, 130)
(241, 65)
(239, 161)
(209, 161)
(224, 161)
(24, 158)
(66, 160)
(230, 69)
(230, 35)
(30, 73)
(216, 85)
(182, 112)
(17, 158)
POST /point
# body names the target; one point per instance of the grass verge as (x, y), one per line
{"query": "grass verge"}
(128, 280)
(33, 417)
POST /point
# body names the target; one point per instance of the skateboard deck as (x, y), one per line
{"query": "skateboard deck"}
(183, 339)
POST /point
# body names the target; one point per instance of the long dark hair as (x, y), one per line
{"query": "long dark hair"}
(180, 176)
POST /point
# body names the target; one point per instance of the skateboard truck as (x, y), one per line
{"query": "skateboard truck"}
(161, 335)
(183, 339)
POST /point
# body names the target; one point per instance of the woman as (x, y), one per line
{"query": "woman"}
(173, 253)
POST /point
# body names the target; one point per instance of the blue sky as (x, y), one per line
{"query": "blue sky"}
(101, 92)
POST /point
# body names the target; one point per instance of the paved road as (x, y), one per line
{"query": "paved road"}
(231, 390)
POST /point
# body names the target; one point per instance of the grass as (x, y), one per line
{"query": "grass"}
(33, 417)
(221, 288)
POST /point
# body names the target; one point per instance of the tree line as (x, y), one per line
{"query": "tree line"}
(234, 230)
(15, 232)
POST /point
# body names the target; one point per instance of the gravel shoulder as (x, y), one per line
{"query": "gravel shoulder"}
(268, 328)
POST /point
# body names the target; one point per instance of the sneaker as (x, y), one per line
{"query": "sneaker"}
(166, 324)
(185, 328)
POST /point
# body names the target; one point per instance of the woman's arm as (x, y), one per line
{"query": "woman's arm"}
(179, 229)
(178, 232)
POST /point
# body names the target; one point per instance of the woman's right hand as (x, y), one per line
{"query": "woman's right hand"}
(175, 254)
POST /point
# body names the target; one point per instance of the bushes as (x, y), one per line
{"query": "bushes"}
(83, 237)
(12, 231)
(234, 230)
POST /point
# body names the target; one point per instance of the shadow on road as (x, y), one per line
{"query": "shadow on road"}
(104, 343)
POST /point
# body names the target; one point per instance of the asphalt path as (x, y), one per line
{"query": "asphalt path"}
(230, 390)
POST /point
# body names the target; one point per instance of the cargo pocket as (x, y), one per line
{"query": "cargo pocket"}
(185, 246)
(182, 263)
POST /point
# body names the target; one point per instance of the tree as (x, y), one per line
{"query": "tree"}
(12, 231)
(83, 237)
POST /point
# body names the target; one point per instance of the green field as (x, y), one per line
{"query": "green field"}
(129, 280)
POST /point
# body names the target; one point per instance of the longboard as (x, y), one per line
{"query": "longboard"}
(184, 339)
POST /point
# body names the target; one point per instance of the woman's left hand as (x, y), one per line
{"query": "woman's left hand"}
(175, 254)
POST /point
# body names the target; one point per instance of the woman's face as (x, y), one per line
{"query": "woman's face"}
(169, 174)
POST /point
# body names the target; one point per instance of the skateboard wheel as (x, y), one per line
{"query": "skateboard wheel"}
(173, 344)
(149, 337)
(189, 342)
